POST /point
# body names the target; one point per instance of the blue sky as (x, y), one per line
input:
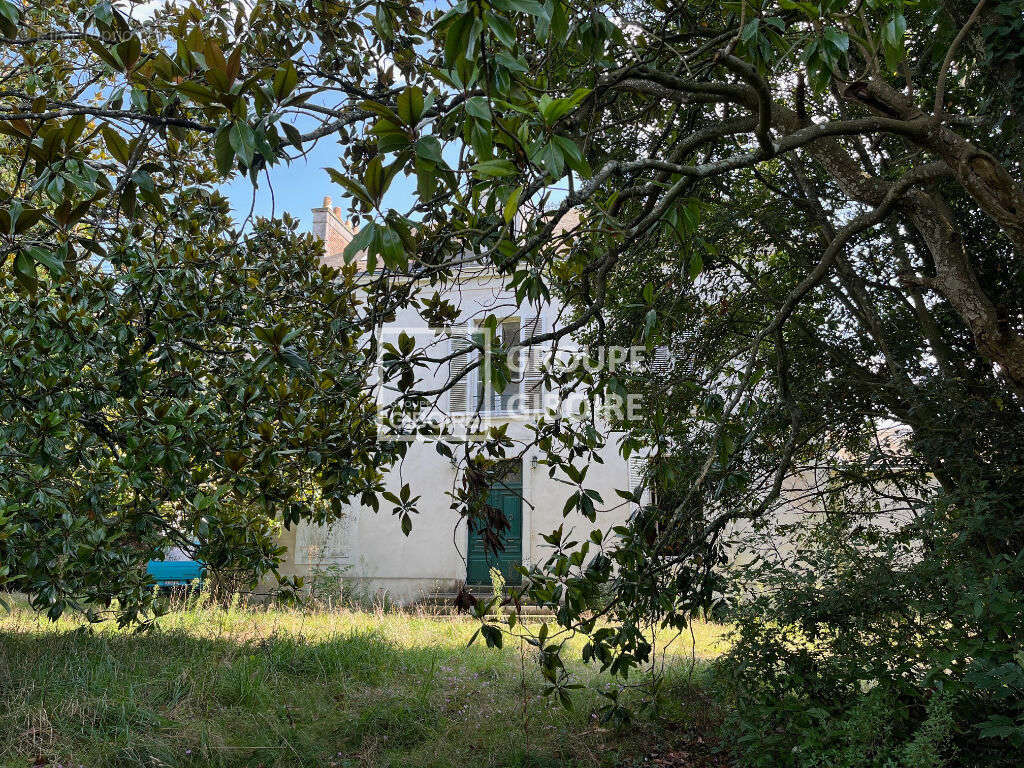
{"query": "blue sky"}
(294, 188)
(301, 186)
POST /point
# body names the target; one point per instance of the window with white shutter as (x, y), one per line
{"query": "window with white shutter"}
(459, 346)
(531, 362)
(485, 395)
(475, 391)
(661, 360)
(637, 468)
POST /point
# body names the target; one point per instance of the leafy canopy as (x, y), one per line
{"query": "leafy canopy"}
(814, 208)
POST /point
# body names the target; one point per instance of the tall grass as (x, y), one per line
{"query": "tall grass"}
(266, 686)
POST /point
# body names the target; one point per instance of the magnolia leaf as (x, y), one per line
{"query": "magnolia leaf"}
(294, 360)
(116, 145)
(294, 137)
(26, 218)
(410, 105)
(285, 80)
(455, 38)
(525, 6)
(477, 107)
(48, 259)
(361, 242)
(429, 148)
(379, 109)
(512, 204)
(25, 269)
(354, 188)
(242, 141)
(492, 168)
(223, 152)
(109, 55)
(502, 29)
(374, 180)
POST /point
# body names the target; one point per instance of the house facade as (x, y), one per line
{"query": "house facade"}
(441, 552)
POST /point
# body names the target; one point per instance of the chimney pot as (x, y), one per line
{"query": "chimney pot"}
(327, 202)
(337, 211)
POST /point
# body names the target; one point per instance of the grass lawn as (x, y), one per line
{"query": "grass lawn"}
(277, 687)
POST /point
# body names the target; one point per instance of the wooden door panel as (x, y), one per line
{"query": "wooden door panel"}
(480, 562)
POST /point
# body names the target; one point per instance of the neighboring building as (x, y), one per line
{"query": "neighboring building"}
(439, 553)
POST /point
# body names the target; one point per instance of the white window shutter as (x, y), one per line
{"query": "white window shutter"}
(637, 467)
(531, 360)
(661, 360)
(459, 345)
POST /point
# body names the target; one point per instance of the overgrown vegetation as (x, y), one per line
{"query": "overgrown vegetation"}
(873, 647)
(814, 209)
(276, 687)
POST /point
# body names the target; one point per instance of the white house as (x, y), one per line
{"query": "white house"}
(440, 553)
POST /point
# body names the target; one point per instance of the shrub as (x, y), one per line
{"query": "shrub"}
(884, 647)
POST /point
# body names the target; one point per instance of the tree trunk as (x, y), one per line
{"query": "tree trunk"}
(979, 172)
(958, 284)
(987, 182)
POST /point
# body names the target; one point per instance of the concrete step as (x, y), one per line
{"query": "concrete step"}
(444, 602)
(448, 598)
(523, 618)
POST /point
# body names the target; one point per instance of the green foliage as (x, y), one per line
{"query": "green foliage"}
(779, 196)
(168, 377)
(1003, 31)
(883, 642)
(147, 405)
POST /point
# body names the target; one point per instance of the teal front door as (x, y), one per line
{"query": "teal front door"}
(508, 498)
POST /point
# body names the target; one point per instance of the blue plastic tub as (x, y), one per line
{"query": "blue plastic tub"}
(173, 573)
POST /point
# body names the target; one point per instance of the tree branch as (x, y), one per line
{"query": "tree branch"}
(940, 84)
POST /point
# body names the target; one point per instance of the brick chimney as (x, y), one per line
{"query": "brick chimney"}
(334, 231)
